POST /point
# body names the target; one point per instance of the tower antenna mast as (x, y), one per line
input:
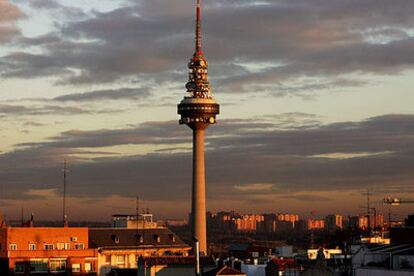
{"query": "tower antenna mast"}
(198, 29)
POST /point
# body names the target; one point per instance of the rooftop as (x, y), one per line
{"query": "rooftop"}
(133, 238)
(225, 270)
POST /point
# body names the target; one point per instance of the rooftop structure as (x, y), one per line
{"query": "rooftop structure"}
(133, 221)
(166, 265)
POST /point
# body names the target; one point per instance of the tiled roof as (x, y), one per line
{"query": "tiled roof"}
(225, 270)
(176, 260)
(390, 248)
(132, 238)
(239, 247)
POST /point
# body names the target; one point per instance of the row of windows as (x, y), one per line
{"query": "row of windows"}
(50, 246)
(119, 259)
(157, 238)
(52, 266)
(199, 108)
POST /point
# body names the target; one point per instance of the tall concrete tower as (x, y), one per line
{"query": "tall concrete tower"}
(198, 110)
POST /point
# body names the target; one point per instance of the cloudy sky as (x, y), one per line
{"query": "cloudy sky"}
(316, 105)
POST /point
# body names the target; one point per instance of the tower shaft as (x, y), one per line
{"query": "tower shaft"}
(199, 190)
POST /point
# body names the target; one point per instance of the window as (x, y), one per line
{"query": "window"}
(19, 267)
(79, 246)
(63, 246)
(115, 238)
(49, 246)
(38, 265)
(76, 268)
(120, 260)
(108, 259)
(57, 265)
(13, 246)
(32, 246)
(88, 267)
(157, 238)
(140, 238)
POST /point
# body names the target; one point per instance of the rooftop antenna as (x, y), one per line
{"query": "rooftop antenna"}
(64, 216)
(31, 221)
(22, 217)
(136, 219)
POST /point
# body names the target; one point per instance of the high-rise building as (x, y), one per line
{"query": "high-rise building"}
(333, 222)
(249, 223)
(374, 221)
(293, 218)
(198, 110)
(270, 223)
(316, 224)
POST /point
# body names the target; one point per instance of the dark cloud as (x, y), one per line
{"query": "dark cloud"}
(13, 110)
(148, 41)
(307, 197)
(254, 153)
(32, 124)
(125, 93)
(60, 12)
(44, 4)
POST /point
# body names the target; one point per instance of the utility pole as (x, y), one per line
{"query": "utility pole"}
(64, 216)
(375, 217)
(389, 217)
(137, 207)
(312, 237)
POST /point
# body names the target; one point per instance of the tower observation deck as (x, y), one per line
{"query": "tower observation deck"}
(198, 110)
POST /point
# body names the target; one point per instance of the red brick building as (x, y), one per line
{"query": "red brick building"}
(25, 250)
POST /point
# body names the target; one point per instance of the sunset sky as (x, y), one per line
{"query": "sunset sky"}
(317, 105)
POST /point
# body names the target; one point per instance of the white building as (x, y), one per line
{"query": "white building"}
(394, 259)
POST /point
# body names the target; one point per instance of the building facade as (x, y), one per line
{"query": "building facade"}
(249, 223)
(27, 250)
(316, 224)
(333, 222)
(293, 218)
(374, 221)
(121, 247)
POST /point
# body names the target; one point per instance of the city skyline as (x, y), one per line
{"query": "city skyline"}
(316, 98)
